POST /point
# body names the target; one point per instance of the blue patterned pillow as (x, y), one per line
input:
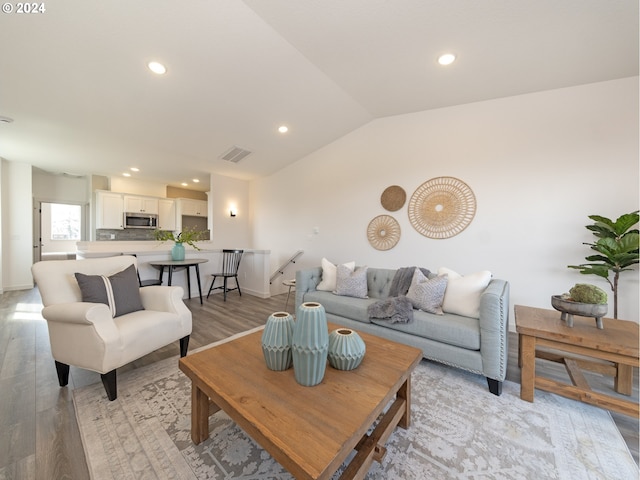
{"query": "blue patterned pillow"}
(351, 283)
(427, 294)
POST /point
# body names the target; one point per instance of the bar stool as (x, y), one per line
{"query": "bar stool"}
(291, 284)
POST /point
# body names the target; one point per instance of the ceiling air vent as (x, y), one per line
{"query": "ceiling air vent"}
(235, 154)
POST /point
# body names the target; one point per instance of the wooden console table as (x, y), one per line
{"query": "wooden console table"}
(612, 351)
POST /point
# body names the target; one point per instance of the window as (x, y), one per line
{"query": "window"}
(65, 221)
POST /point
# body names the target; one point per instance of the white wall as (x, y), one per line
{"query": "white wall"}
(17, 226)
(138, 187)
(227, 231)
(58, 188)
(538, 164)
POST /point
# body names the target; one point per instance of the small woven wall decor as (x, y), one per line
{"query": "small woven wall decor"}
(383, 232)
(393, 198)
(442, 207)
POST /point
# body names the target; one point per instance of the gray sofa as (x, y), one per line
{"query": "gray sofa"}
(478, 345)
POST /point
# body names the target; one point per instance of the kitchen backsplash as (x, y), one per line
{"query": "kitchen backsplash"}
(124, 235)
(132, 234)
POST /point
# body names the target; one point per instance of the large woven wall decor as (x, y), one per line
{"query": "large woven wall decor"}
(393, 198)
(442, 207)
(383, 232)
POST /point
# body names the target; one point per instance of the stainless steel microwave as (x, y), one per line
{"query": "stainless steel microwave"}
(140, 220)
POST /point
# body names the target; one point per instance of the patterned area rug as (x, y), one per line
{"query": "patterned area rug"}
(459, 431)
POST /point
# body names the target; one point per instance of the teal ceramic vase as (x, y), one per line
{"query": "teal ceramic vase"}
(177, 252)
(276, 341)
(346, 349)
(310, 344)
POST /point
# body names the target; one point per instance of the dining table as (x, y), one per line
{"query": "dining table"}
(187, 263)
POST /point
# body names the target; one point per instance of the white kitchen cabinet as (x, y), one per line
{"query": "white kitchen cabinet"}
(137, 204)
(194, 208)
(109, 210)
(166, 214)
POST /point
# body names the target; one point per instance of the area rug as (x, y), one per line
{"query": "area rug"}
(459, 431)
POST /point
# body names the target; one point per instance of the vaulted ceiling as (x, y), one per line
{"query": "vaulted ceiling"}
(75, 82)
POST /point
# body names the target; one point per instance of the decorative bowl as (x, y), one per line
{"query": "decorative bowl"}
(570, 308)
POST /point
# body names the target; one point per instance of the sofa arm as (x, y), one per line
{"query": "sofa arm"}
(163, 299)
(78, 312)
(78, 315)
(306, 281)
(494, 329)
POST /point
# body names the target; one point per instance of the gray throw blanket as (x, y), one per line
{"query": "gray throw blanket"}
(402, 280)
(397, 308)
(393, 309)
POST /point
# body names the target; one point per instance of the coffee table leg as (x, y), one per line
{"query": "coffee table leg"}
(405, 393)
(623, 382)
(199, 415)
(527, 356)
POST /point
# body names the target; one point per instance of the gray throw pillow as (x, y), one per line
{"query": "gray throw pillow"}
(427, 294)
(351, 283)
(120, 291)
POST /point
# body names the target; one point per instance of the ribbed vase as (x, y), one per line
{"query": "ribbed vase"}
(310, 344)
(346, 349)
(276, 341)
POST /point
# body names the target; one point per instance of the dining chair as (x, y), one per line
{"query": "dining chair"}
(147, 282)
(230, 264)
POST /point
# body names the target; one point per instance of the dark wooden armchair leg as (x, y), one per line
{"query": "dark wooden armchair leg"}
(495, 386)
(62, 369)
(109, 382)
(184, 346)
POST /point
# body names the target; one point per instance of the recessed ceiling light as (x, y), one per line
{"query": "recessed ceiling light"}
(184, 184)
(157, 67)
(195, 180)
(126, 174)
(135, 169)
(283, 129)
(446, 59)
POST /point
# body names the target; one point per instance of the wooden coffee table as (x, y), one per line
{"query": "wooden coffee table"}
(612, 351)
(310, 431)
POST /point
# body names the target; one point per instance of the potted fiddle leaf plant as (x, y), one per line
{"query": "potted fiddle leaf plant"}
(616, 250)
(189, 236)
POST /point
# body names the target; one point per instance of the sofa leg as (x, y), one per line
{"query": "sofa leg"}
(184, 346)
(62, 369)
(495, 386)
(109, 382)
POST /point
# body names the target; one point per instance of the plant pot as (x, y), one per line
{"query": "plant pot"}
(570, 308)
(177, 252)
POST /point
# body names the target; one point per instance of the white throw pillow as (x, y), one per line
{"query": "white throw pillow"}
(462, 295)
(427, 294)
(329, 275)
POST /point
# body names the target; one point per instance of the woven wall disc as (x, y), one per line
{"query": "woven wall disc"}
(442, 207)
(383, 232)
(393, 198)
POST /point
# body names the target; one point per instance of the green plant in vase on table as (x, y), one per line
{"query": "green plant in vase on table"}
(189, 236)
(617, 250)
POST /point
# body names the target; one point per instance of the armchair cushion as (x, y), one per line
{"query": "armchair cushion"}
(119, 291)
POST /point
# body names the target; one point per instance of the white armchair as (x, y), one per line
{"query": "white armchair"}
(87, 335)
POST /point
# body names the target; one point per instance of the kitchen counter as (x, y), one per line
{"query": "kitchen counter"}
(253, 273)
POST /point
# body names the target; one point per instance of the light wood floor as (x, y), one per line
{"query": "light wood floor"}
(39, 437)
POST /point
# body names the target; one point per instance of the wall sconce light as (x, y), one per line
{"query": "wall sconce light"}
(232, 212)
